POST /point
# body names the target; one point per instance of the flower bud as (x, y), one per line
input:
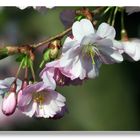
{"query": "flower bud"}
(124, 36)
(54, 48)
(9, 102)
(46, 55)
(51, 52)
(24, 85)
(46, 58)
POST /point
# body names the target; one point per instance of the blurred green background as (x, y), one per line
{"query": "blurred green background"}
(109, 102)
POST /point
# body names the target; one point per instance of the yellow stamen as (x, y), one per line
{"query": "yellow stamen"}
(88, 50)
(39, 98)
(92, 54)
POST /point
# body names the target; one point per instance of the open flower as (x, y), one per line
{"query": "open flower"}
(57, 75)
(41, 101)
(83, 54)
(132, 48)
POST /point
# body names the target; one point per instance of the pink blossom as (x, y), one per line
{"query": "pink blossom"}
(57, 75)
(83, 54)
(41, 101)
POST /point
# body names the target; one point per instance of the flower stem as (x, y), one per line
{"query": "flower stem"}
(114, 16)
(110, 17)
(26, 73)
(19, 68)
(32, 69)
(106, 10)
(122, 20)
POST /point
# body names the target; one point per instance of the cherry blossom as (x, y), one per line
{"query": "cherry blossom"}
(41, 101)
(83, 54)
(132, 48)
(57, 75)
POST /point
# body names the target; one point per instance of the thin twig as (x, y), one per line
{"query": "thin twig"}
(60, 35)
(26, 49)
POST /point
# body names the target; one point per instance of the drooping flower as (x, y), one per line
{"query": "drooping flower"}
(132, 48)
(83, 54)
(41, 101)
(57, 75)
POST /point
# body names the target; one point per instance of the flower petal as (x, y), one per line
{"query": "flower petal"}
(108, 53)
(6, 83)
(19, 84)
(129, 48)
(57, 96)
(30, 109)
(52, 105)
(82, 28)
(91, 69)
(106, 31)
(24, 99)
(90, 39)
(9, 104)
(48, 80)
(137, 56)
(68, 44)
(117, 45)
(77, 69)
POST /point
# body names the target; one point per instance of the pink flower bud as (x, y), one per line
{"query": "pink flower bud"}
(24, 85)
(9, 104)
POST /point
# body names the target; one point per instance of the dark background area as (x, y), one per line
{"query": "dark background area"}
(109, 102)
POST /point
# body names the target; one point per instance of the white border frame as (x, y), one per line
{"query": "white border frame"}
(51, 3)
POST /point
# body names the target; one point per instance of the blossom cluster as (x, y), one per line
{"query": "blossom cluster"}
(82, 54)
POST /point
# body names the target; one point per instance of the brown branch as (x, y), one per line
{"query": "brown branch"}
(27, 48)
(17, 49)
(58, 36)
(10, 50)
